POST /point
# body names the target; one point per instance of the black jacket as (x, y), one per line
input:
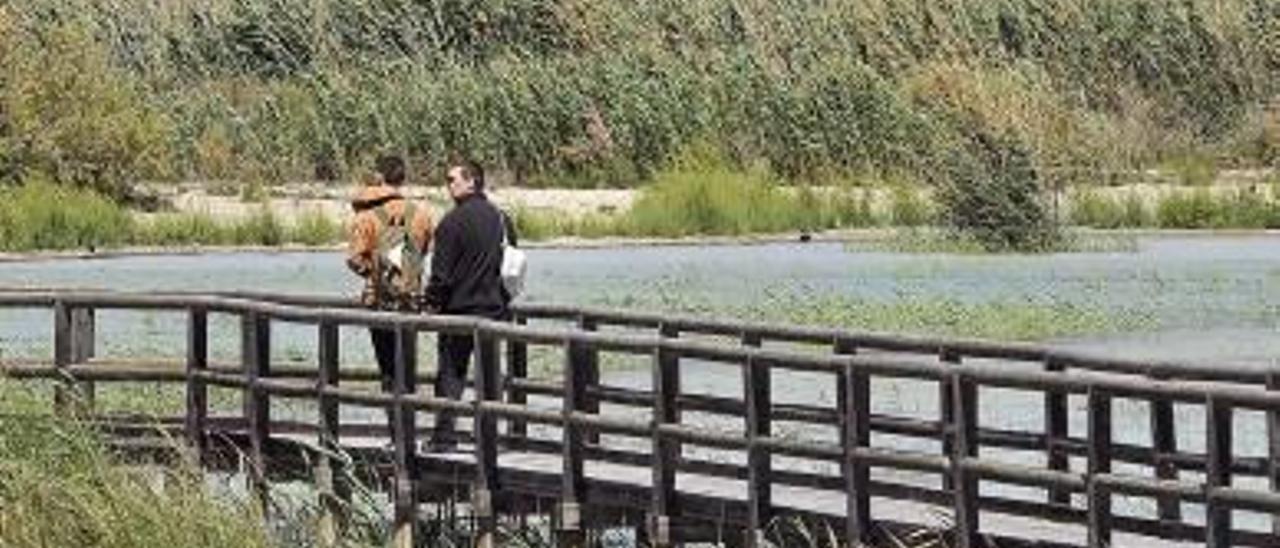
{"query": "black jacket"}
(466, 263)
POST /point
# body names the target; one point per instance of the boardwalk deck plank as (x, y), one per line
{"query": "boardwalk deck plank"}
(802, 499)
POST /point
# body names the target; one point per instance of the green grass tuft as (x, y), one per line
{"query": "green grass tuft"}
(61, 486)
(42, 215)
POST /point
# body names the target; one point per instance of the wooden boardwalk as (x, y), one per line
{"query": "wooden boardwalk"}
(669, 490)
(613, 478)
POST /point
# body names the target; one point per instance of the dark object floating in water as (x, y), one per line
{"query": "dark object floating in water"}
(806, 237)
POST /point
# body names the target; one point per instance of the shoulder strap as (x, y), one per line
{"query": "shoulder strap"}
(380, 212)
(384, 216)
(502, 226)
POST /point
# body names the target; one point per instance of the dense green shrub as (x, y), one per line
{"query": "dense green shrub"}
(993, 195)
(67, 112)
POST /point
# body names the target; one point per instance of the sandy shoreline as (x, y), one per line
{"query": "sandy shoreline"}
(289, 202)
(834, 236)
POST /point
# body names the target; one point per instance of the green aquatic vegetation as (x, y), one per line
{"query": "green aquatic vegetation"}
(929, 240)
(1005, 319)
(998, 320)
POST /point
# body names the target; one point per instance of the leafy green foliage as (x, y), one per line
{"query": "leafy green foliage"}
(68, 113)
(993, 195)
(615, 90)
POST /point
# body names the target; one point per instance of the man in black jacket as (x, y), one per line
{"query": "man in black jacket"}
(465, 280)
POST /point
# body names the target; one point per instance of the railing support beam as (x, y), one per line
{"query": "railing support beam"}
(1099, 463)
(255, 332)
(757, 395)
(485, 489)
(197, 391)
(404, 433)
(666, 451)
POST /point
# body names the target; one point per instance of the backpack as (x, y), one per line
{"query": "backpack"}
(398, 262)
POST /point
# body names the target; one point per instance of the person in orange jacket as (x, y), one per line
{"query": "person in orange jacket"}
(389, 238)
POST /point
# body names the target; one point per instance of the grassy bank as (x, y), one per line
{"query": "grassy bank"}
(724, 202)
(1190, 208)
(61, 486)
(42, 216)
(680, 203)
(719, 202)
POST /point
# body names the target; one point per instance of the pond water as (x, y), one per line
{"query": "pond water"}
(1195, 298)
(1186, 297)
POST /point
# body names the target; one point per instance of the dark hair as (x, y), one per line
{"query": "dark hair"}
(391, 168)
(471, 169)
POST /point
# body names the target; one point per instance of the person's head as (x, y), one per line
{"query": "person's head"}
(465, 178)
(391, 169)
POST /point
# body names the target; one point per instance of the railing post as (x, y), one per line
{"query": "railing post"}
(63, 350)
(331, 476)
(517, 370)
(757, 395)
(197, 390)
(1218, 419)
(666, 452)
(484, 492)
(255, 332)
(946, 410)
(83, 335)
(1055, 433)
(1273, 446)
(569, 528)
(965, 484)
(854, 405)
(404, 440)
(1164, 445)
(1099, 463)
(591, 363)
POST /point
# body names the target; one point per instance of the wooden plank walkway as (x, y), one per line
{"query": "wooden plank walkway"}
(789, 500)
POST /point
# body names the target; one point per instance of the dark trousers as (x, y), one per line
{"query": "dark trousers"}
(453, 358)
(384, 350)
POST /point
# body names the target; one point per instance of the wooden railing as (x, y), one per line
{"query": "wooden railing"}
(851, 359)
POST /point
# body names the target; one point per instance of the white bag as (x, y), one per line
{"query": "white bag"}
(514, 263)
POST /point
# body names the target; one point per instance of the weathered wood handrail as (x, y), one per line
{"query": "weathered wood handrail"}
(1101, 380)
